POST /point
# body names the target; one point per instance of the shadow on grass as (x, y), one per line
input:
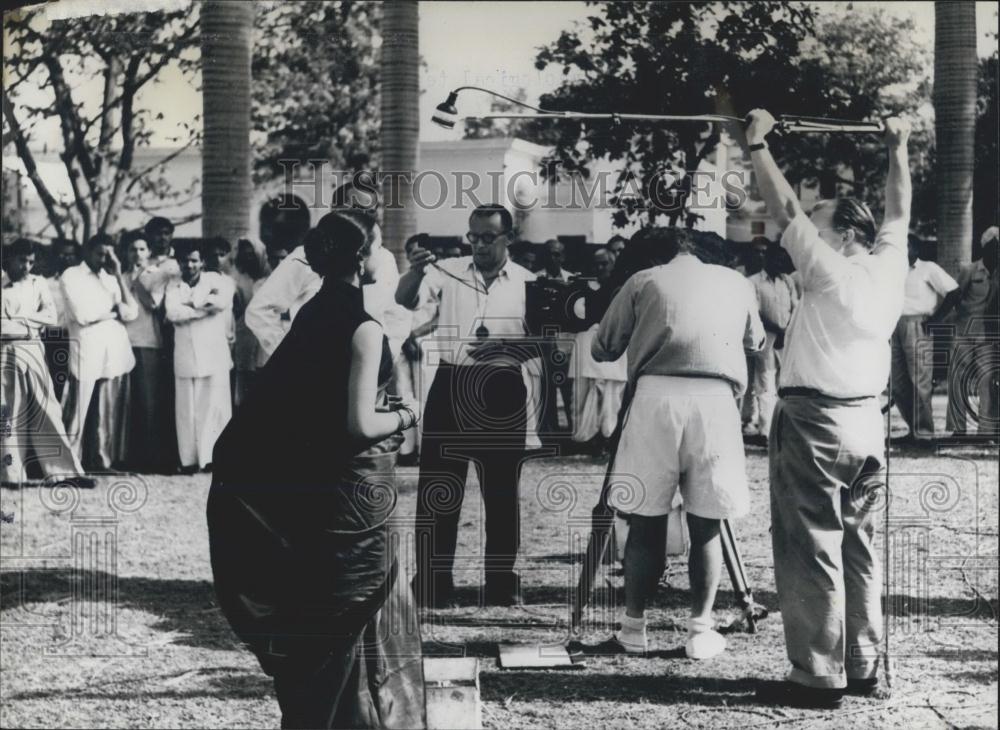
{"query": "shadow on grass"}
(188, 607)
(571, 686)
(227, 683)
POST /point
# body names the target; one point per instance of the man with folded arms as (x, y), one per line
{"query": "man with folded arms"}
(827, 447)
(686, 327)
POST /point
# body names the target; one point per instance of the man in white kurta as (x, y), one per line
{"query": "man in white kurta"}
(199, 305)
(32, 426)
(98, 301)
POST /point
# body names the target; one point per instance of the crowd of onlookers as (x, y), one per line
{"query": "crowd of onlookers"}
(148, 348)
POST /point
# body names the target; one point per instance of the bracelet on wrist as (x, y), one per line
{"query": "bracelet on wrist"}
(758, 146)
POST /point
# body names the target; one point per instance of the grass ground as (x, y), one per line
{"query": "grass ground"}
(108, 615)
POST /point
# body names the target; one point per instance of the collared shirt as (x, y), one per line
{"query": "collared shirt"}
(293, 283)
(99, 348)
(838, 339)
(683, 318)
(201, 344)
(776, 298)
(978, 287)
(464, 305)
(926, 284)
(28, 296)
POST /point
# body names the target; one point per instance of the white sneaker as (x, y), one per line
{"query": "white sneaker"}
(705, 645)
(632, 643)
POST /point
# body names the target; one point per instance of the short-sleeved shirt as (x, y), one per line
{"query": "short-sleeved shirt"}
(465, 305)
(926, 284)
(838, 339)
(685, 318)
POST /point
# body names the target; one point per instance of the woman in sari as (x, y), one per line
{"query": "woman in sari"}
(303, 489)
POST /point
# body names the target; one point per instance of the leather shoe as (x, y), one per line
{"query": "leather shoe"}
(792, 694)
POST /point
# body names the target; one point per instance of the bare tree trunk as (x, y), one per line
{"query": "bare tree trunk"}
(226, 32)
(400, 121)
(955, 72)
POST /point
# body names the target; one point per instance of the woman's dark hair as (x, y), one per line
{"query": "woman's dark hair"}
(339, 242)
(851, 213)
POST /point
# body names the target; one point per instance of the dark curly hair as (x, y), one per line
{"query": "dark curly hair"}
(339, 242)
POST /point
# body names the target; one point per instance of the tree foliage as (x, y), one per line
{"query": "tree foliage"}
(99, 133)
(539, 132)
(986, 190)
(727, 58)
(315, 90)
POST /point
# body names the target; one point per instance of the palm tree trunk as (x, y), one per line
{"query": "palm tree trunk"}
(400, 121)
(226, 44)
(955, 71)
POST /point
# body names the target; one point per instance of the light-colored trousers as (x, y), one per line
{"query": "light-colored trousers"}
(973, 367)
(913, 375)
(204, 407)
(94, 414)
(32, 418)
(827, 461)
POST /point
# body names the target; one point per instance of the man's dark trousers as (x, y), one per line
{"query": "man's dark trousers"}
(474, 413)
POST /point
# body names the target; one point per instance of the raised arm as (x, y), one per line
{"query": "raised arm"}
(898, 190)
(408, 290)
(782, 203)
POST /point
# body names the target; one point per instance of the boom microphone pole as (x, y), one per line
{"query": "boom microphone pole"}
(446, 115)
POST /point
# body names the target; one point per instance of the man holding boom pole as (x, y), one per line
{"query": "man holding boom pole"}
(827, 451)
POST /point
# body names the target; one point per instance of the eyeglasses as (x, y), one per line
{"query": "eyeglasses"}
(484, 238)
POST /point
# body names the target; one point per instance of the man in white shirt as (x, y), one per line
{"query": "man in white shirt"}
(827, 449)
(199, 305)
(32, 428)
(272, 309)
(98, 300)
(928, 290)
(476, 407)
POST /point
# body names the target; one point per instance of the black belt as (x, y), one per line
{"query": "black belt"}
(813, 393)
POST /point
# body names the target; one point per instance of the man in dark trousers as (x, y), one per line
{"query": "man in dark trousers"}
(476, 407)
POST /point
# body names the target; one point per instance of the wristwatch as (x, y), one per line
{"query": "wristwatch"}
(759, 146)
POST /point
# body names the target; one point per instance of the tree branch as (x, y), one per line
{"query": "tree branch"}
(128, 141)
(168, 158)
(69, 116)
(24, 152)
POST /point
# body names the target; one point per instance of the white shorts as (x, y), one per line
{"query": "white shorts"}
(681, 432)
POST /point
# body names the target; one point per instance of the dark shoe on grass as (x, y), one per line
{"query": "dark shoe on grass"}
(503, 589)
(791, 694)
(870, 688)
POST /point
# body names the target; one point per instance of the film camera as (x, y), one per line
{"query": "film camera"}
(555, 305)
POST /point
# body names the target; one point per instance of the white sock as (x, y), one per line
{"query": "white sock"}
(700, 624)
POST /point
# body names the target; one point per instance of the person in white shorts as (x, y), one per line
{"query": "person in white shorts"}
(686, 327)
